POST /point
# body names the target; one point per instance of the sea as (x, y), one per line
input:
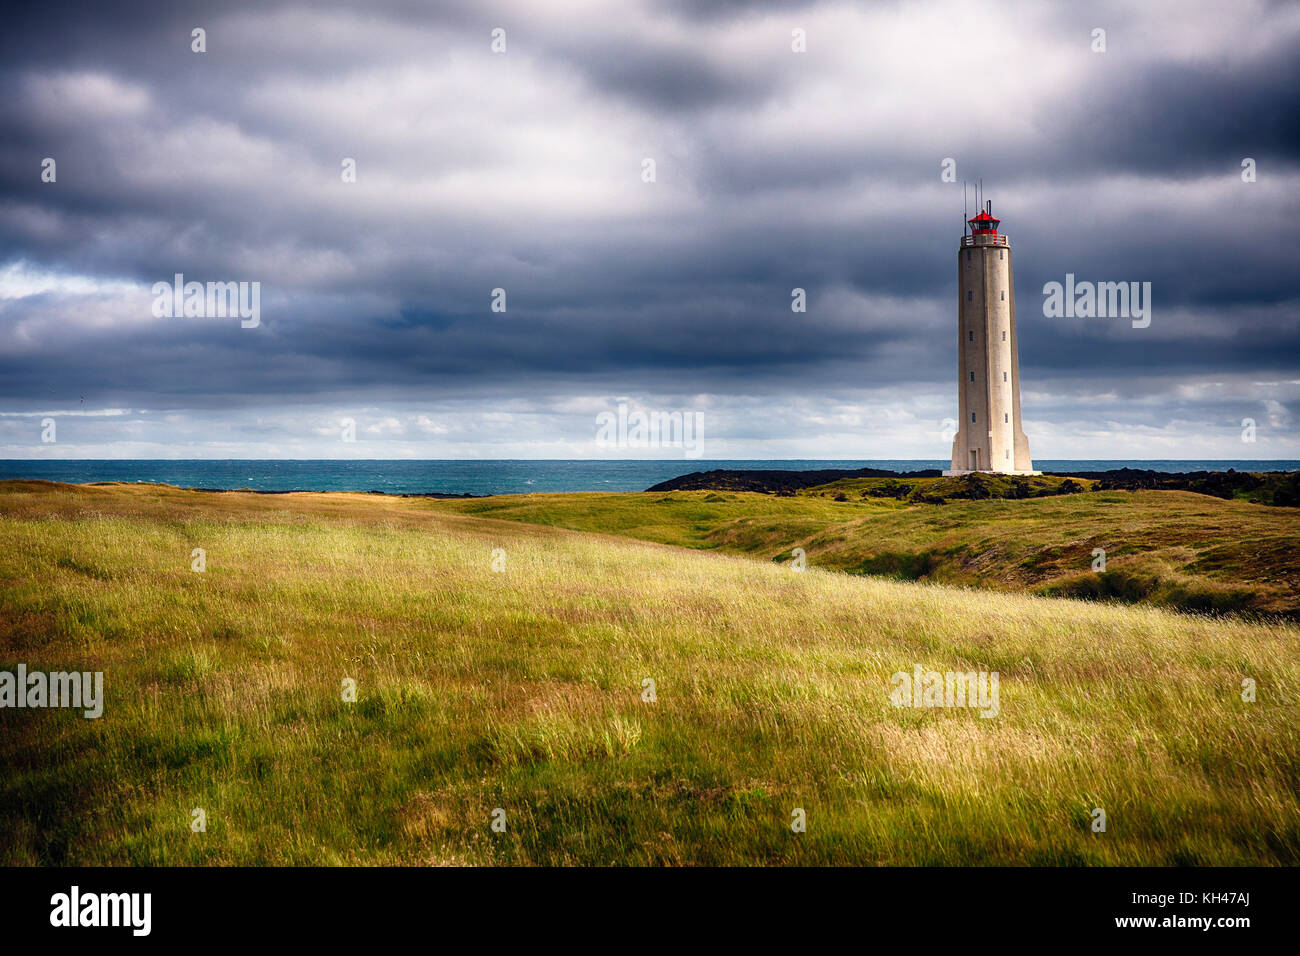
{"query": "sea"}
(500, 477)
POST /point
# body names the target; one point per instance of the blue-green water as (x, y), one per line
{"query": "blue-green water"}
(487, 477)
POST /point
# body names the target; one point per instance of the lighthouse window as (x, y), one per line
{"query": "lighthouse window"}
(972, 335)
(1006, 417)
(1004, 336)
(1004, 295)
(972, 376)
(970, 295)
(1004, 376)
(972, 416)
(999, 253)
(1008, 453)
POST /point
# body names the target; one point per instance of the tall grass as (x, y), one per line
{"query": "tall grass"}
(1170, 548)
(522, 690)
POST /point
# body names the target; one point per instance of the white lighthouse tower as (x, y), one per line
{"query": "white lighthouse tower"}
(989, 432)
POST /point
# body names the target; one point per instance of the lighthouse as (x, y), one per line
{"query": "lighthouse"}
(990, 436)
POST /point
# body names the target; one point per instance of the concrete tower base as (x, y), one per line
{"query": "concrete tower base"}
(949, 473)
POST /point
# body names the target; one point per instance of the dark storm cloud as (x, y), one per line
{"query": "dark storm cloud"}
(667, 76)
(774, 170)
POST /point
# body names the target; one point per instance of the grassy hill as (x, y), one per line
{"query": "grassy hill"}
(1170, 548)
(522, 690)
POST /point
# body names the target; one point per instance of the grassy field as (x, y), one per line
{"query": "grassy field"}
(522, 690)
(1170, 548)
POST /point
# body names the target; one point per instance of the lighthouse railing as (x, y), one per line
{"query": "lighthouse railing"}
(985, 240)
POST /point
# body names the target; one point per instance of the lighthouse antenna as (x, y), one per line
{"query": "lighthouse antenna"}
(963, 207)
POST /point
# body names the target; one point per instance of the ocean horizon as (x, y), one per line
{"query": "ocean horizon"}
(506, 476)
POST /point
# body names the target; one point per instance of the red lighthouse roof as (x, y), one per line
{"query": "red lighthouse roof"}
(984, 224)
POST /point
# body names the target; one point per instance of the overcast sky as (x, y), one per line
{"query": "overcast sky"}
(523, 170)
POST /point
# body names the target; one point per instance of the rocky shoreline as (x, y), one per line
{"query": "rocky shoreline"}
(1274, 488)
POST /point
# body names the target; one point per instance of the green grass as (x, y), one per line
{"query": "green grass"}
(522, 690)
(954, 488)
(1170, 548)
